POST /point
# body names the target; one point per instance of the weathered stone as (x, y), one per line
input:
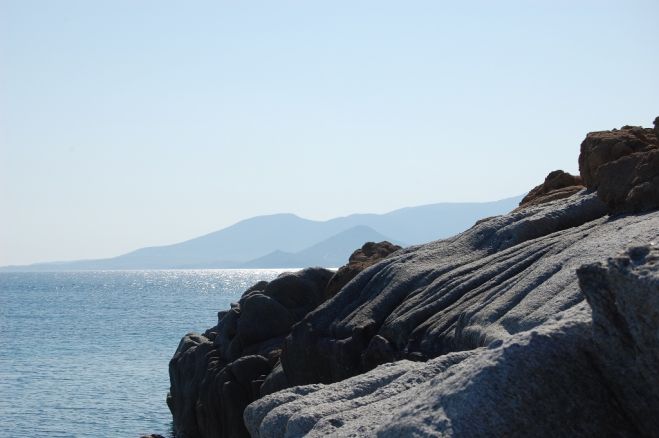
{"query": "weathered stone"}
(483, 334)
(557, 185)
(499, 316)
(186, 370)
(275, 381)
(624, 296)
(631, 183)
(602, 147)
(368, 255)
(262, 318)
(539, 382)
(454, 294)
(623, 166)
(215, 375)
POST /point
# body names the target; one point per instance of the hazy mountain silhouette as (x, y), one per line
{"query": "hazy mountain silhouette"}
(331, 252)
(286, 240)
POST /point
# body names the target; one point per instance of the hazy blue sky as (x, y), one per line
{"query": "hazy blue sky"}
(135, 123)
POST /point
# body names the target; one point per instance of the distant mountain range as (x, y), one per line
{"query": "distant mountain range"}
(289, 241)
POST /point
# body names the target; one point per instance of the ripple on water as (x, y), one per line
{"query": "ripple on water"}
(85, 354)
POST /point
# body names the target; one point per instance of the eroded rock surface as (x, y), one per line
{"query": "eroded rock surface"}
(368, 255)
(501, 324)
(487, 333)
(215, 375)
(623, 166)
(503, 276)
(537, 383)
(624, 296)
(557, 185)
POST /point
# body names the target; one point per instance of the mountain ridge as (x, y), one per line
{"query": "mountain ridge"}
(257, 237)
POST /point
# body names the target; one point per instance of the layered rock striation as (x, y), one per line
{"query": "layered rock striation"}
(544, 321)
(550, 380)
(489, 333)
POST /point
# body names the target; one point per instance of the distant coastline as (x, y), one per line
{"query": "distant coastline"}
(288, 241)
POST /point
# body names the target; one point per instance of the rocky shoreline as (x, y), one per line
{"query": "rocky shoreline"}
(544, 321)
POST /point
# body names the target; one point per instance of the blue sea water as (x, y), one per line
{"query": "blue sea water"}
(85, 354)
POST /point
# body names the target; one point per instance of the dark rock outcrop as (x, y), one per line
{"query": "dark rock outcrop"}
(557, 185)
(215, 375)
(368, 255)
(623, 166)
(624, 297)
(631, 184)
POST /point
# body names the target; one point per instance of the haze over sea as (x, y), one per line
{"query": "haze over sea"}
(86, 354)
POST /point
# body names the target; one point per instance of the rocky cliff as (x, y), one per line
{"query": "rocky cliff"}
(216, 374)
(544, 321)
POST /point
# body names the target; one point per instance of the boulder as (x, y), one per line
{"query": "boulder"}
(215, 375)
(623, 166)
(187, 369)
(601, 147)
(369, 254)
(631, 183)
(557, 185)
(624, 296)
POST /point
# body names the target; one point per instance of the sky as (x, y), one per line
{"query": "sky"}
(126, 124)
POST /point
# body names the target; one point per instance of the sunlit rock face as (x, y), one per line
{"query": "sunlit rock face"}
(540, 322)
(623, 166)
(489, 333)
(557, 185)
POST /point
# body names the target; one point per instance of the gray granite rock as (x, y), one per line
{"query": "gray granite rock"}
(537, 383)
(504, 275)
(624, 296)
(494, 325)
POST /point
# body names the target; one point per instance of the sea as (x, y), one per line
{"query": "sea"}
(85, 354)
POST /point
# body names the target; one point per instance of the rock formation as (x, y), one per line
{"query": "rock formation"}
(557, 185)
(366, 256)
(623, 166)
(624, 296)
(216, 374)
(488, 331)
(507, 329)
(550, 380)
